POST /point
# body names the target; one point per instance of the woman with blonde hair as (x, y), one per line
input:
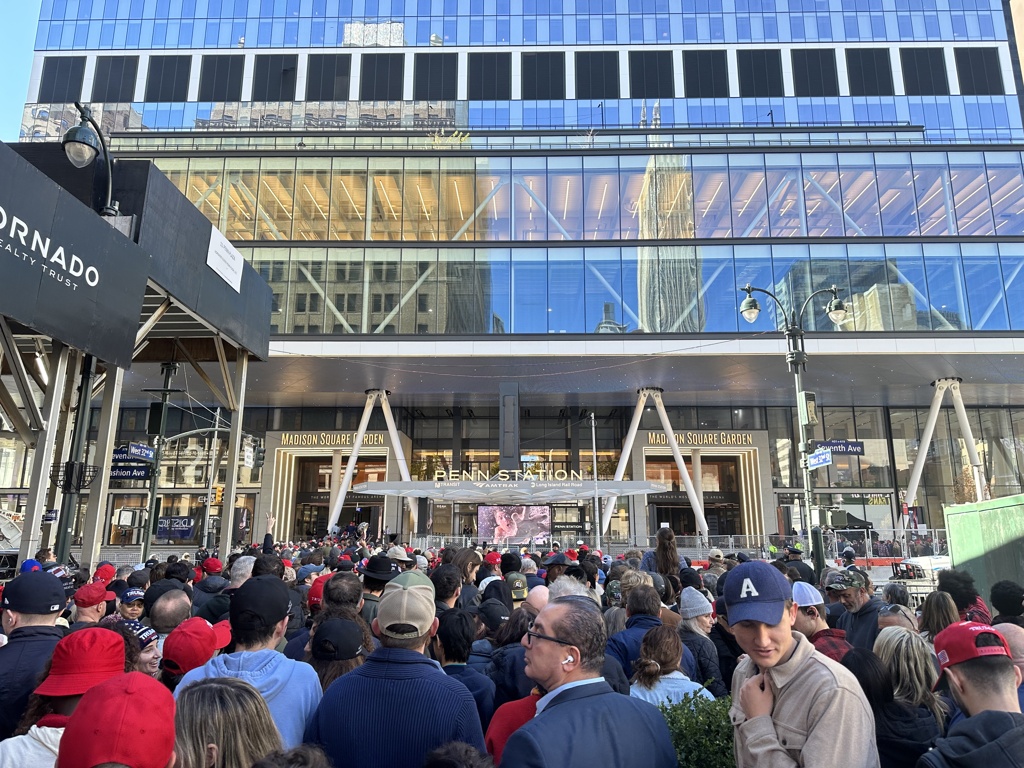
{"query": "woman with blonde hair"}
(937, 613)
(911, 666)
(222, 722)
(657, 678)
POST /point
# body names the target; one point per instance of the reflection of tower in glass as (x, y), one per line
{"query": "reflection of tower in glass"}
(467, 290)
(608, 324)
(669, 277)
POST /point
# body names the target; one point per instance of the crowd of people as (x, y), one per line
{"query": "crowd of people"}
(335, 653)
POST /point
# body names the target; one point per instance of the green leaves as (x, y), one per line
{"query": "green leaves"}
(701, 732)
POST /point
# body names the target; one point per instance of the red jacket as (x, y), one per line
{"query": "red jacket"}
(507, 720)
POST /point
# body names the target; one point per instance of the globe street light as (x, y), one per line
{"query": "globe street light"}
(797, 359)
(82, 143)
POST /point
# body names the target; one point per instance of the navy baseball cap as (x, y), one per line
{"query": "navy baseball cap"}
(756, 591)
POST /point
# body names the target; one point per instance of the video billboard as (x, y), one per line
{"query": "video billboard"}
(513, 524)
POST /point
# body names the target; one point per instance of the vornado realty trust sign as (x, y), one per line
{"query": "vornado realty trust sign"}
(27, 244)
(66, 273)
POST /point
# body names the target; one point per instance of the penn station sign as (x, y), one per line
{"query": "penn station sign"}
(704, 439)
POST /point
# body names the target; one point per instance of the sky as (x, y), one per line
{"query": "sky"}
(17, 40)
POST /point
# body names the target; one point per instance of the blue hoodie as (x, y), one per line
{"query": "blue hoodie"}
(290, 688)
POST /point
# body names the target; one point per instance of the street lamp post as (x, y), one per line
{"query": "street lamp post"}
(796, 357)
(82, 143)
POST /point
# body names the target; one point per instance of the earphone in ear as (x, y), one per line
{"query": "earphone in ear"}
(568, 659)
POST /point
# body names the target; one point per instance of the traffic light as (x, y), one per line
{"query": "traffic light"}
(218, 494)
(259, 457)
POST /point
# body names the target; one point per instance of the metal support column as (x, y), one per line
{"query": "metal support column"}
(926, 440)
(627, 449)
(96, 514)
(684, 475)
(42, 458)
(237, 397)
(213, 469)
(594, 518)
(168, 370)
(968, 436)
(396, 446)
(350, 468)
(75, 466)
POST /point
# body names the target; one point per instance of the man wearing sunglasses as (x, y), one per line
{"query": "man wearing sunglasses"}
(581, 721)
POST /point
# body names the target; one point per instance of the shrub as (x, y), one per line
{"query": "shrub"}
(701, 732)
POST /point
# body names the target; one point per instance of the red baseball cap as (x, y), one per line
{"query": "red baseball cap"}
(212, 565)
(315, 596)
(128, 719)
(287, 562)
(493, 558)
(193, 642)
(81, 660)
(572, 554)
(105, 573)
(93, 594)
(959, 642)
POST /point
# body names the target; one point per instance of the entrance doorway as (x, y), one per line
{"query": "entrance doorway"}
(720, 486)
(312, 510)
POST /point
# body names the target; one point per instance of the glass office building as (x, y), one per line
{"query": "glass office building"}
(446, 195)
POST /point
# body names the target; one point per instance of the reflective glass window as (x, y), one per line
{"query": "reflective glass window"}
(312, 198)
(760, 73)
(754, 267)
(494, 191)
(897, 200)
(529, 199)
(456, 214)
(436, 77)
(167, 78)
(220, 78)
(61, 80)
(490, 76)
(565, 196)
(274, 78)
(785, 195)
(381, 76)
(869, 71)
(908, 290)
(601, 201)
(607, 309)
(978, 71)
(494, 265)
(705, 75)
(597, 75)
(388, 205)
(814, 72)
(924, 72)
(749, 196)
(668, 287)
(327, 77)
(422, 199)
(274, 214)
(862, 216)
(114, 78)
(1011, 257)
(1006, 191)
(633, 178)
(871, 290)
(823, 196)
(348, 199)
(970, 193)
(304, 308)
(983, 279)
(566, 294)
(946, 290)
(543, 76)
(651, 75)
(240, 188)
(711, 196)
(530, 306)
(716, 299)
(346, 286)
(934, 194)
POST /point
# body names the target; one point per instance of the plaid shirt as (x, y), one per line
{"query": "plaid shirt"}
(831, 643)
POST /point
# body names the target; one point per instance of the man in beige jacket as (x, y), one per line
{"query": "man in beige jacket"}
(792, 706)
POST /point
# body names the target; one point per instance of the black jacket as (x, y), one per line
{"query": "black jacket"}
(21, 662)
(861, 627)
(708, 673)
(986, 740)
(904, 733)
(205, 589)
(729, 652)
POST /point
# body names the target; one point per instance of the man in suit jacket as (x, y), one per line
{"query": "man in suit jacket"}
(581, 721)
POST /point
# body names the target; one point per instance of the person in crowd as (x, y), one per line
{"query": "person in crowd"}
(149, 648)
(694, 630)
(273, 565)
(457, 755)
(614, 620)
(29, 608)
(902, 733)
(529, 570)
(304, 756)
(90, 604)
(259, 618)
(833, 606)
(80, 661)
(581, 720)
(212, 583)
(642, 609)
(810, 622)
(392, 678)
(340, 596)
(378, 571)
(1014, 636)
(896, 615)
(728, 649)
(127, 720)
(664, 558)
(937, 612)
(336, 646)
(784, 687)
(217, 606)
(169, 611)
(908, 658)
(979, 673)
(447, 581)
(507, 670)
(190, 645)
(555, 566)
(795, 559)
(468, 562)
(658, 679)
(451, 645)
(860, 621)
(130, 604)
(895, 593)
(716, 562)
(509, 718)
(139, 579)
(960, 586)
(222, 722)
(490, 616)
(1007, 598)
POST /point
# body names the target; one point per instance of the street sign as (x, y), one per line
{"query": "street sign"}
(845, 447)
(141, 452)
(50, 516)
(247, 456)
(130, 473)
(820, 458)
